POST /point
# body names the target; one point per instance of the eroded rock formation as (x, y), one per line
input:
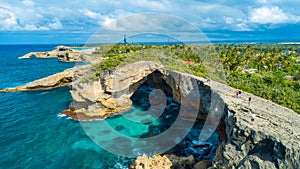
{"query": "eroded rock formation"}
(155, 162)
(60, 79)
(62, 53)
(271, 141)
(168, 161)
(111, 94)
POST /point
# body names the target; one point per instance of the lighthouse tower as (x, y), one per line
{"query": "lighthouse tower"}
(125, 39)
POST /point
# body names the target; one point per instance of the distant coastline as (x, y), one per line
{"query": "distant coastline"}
(211, 40)
(289, 43)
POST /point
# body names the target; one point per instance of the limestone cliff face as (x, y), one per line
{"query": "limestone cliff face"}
(272, 141)
(111, 94)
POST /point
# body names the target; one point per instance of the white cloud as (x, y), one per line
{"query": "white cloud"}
(90, 14)
(262, 1)
(229, 20)
(28, 3)
(269, 1)
(242, 27)
(55, 24)
(8, 19)
(150, 4)
(236, 24)
(146, 23)
(16, 18)
(107, 20)
(271, 15)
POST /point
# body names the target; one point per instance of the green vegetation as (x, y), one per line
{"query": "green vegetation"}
(173, 57)
(268, 71)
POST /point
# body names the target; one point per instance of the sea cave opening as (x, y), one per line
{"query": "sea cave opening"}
(154, 100)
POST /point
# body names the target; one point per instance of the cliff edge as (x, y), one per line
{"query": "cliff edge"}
(272, 140)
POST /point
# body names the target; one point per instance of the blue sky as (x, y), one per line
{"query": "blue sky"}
(56, 21)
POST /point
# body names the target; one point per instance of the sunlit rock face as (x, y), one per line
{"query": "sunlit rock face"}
(111, 94)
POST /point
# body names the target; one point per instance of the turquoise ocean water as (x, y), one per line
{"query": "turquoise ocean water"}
(33, 133)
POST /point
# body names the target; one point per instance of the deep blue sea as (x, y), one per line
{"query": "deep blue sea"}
(34, 134)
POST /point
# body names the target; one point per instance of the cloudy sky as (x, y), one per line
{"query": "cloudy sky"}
(57, 21)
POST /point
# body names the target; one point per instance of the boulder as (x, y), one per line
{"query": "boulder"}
(154, 162)
(181, 162)
(202, 165)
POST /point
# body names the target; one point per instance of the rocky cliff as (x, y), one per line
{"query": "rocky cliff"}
(271, 141)
(111, 94)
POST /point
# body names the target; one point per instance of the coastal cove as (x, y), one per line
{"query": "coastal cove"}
(34, 123)
(35, 133)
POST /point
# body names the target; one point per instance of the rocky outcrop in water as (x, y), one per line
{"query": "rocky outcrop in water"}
(168, 161)
(62, 53)
(60, 79)
(155, 162)
(38, 55)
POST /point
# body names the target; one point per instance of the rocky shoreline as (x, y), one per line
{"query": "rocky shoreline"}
(60, 79)
(62, 53)
(272, 141)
